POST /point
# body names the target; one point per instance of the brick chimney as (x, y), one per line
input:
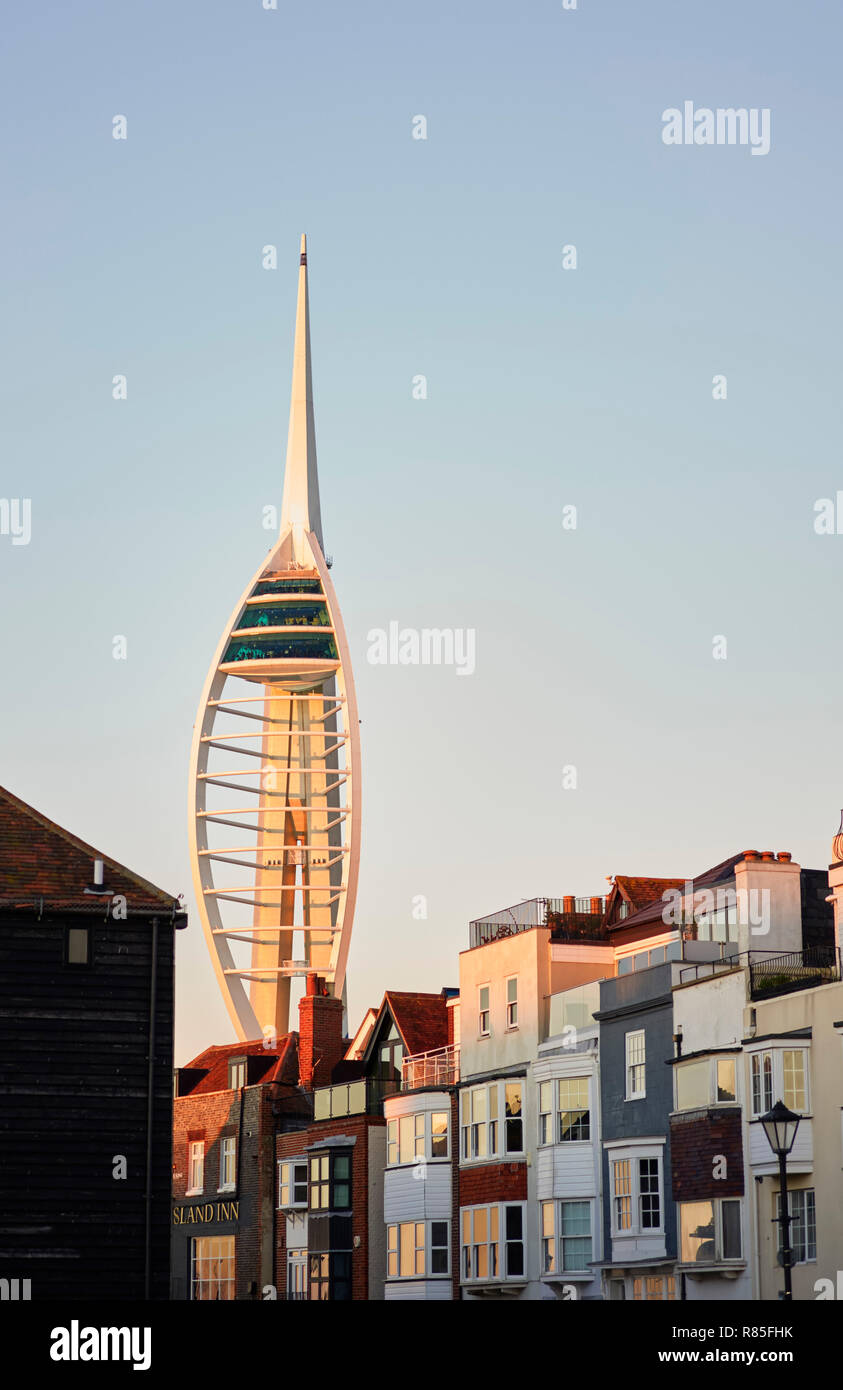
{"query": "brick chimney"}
(321, 1042)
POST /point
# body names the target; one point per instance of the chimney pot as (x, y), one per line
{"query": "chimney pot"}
(767, 856)
(751, 855)
(784, 856)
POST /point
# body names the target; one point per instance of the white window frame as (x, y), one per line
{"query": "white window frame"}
(550, 1118)
(802, 1194)
(195, 1158)
(422, 1136)
(718, 1256)
(557, 1238)
(776, 1053)
(394, 1250)
(291, 1183)
(631, 1061)
(484, 1016)
(485, 1138)
(634, 1156)
(713, 1061)
(511, 1004)
(500, 1275)
(559, 1112)
(228, 1158)
(547, 1111)
(236, 1071)
(297, 1273)
(210, 1250)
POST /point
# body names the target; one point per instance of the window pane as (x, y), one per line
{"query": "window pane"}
(576, 1218)
(408, 1249)
(439, 1134)
(692, 1085)
(77, 946)
(696, 1221)
(513, 1223)
(406, 1142)
(793, 1065)
(726, 1079)
(648, 1179)
(731, 1215)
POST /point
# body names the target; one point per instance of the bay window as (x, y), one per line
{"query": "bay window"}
(292, 1184)
(636, 1182)
(705, 1081)
(566, 1236)
(492, 1242)
(418, 1136)
(779, 1073)
(482, 1136)
(710, 1231)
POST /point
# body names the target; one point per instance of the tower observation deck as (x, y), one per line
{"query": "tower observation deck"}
(274, 813)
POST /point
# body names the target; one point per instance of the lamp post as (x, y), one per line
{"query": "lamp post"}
(780, 1126)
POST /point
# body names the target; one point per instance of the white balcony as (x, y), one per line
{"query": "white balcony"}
(440, 1067)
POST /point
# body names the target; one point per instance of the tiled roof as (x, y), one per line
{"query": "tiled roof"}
(40, 860)
(638, 892)
(421, 1019)
(279, 1064)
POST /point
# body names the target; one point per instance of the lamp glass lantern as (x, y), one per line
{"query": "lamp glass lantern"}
(780, 1126)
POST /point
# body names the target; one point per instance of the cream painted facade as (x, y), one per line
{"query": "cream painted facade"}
(503, 1052)
(812, 1018)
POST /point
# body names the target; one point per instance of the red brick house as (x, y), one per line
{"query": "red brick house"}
(331, 1231)
(229, 1104)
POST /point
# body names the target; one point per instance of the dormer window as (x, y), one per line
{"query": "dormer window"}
(236, 1073)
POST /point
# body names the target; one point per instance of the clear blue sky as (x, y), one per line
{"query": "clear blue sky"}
(546, 387)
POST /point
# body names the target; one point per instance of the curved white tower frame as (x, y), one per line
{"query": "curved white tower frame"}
(275, 764)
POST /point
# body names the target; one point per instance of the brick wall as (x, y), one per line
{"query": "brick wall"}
(321, 1042)
(295, 1145)
(247, 1115)
(699, 1141)
(492, 1182)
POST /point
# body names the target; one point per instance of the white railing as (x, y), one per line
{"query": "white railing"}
(440, 1067)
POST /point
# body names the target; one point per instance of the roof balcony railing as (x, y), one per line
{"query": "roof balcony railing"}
(365, 1096)
(439, 1067)
(816, 965)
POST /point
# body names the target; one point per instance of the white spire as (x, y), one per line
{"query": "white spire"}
(300, 505)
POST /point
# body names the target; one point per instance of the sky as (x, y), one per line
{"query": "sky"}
(600, 647)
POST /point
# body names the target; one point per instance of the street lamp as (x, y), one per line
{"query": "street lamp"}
(780, 1126)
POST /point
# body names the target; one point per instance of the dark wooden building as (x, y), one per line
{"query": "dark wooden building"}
(86, 1057)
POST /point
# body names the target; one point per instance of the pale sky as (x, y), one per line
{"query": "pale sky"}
(547, 388)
